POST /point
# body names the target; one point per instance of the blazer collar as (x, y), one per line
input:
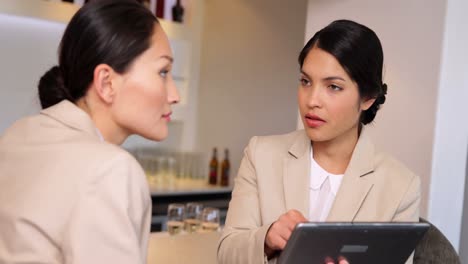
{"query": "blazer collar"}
(296, 174)
(71, 115)
(357, 181)
(301, 145)
(356, 184)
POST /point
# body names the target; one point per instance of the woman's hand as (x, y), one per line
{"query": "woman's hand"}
(341, 260)
(281, 230)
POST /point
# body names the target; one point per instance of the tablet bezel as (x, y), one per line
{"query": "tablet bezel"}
(351, 240)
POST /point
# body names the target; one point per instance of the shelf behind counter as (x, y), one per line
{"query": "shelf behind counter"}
(196, 191)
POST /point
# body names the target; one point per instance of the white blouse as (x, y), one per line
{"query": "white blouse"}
(323, 188)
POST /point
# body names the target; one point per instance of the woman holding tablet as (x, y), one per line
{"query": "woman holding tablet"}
(330, 171)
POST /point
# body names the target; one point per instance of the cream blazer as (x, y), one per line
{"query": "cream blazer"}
(274, 178)
(68, 197)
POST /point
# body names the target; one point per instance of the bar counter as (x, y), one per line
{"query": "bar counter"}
(184, 192)
(196, 248)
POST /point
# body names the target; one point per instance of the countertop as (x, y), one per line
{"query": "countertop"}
(196, 248)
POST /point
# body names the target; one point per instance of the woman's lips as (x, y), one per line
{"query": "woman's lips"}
(313, 121)
(167, 116)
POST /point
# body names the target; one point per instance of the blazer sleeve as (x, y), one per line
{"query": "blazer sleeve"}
(111, 219)
(243, 237)
(408, 209)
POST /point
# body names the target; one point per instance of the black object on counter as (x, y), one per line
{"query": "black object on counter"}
(213, 177)
(178, 12)
(225, 168)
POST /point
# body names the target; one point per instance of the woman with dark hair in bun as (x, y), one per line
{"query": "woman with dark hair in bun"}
(330, 171)
(68, 192)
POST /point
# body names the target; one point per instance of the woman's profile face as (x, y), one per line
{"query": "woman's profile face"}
(329, 100)
(146, 91)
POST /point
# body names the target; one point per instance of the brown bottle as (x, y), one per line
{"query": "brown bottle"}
(225, 167)
(213, 177)
(178, 12)
(160, 8)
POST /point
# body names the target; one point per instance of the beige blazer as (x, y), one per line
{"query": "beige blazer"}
(274, 178)
(68, 197)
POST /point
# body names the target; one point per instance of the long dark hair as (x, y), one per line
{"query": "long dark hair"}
(114, 32)
(357, 48)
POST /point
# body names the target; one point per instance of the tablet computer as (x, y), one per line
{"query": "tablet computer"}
(360, 243)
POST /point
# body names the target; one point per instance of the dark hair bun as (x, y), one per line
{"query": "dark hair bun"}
(381, 98)
(51, 88)
(369, 115)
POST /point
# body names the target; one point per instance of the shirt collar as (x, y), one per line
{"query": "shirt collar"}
(99, 135)
(319, 175)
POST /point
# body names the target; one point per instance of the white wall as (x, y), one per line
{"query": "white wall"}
(30, 32)
(464, 232)
(411, 34)
(451, 137)
(249, 72)
(28, 50)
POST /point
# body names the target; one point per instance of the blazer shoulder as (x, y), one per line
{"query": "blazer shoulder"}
(106, 154)
(280, 142)
(17, 129)
(389, 167)
(68, 147)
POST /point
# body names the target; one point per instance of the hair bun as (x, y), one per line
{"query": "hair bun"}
(51, 88)
(369, 115)
(381, 98)
(384, 88)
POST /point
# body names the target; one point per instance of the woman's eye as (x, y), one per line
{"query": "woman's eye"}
(304, 82)
(163, 73)
(335, 87)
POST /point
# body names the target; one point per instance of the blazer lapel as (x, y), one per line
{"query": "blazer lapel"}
(356, 184)
(71, 115)
(296, 173)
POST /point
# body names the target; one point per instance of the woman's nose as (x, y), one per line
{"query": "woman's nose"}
(314, 97)
(173, 96)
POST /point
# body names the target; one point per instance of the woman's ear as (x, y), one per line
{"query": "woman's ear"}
(102, 83)
(367, 103)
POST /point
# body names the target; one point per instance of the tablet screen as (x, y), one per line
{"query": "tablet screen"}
(360, 243)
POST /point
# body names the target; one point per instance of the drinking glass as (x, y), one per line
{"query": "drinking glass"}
(160, 172)
(175, 218)
(170, 176)
(210, 219)
(193, 217)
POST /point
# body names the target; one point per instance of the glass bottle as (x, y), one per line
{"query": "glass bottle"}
(160, 8)
(213, 177)
(178, 12)
(225, 167)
